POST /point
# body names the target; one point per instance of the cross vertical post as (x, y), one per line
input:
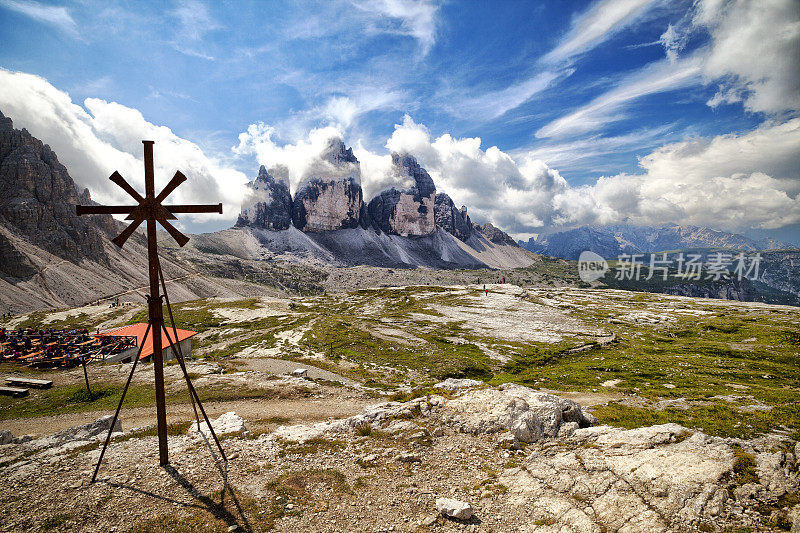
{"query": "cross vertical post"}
(155, 308)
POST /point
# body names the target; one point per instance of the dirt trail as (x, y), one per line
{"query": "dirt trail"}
(297, 411)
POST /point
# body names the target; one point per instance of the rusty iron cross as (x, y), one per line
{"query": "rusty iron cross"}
(150, 210)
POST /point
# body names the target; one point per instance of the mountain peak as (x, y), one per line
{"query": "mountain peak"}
(407, 164)
(337, 153)
(6, 124)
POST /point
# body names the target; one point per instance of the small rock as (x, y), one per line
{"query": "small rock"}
(6, 437)
(300, 372)
(234, 527)
(454, 508)
(408, 458)
(234, 455)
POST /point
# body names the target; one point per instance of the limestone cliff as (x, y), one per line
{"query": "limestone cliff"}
(331, 197)
(410, 211)
(454, 221)
(268, 203)
(38, 198)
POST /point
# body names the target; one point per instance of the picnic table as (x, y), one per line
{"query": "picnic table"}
(30, 382)
(13, 391)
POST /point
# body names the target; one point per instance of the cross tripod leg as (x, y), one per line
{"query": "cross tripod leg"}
(119, 406)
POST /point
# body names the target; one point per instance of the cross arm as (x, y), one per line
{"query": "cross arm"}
(209, 208)
(104, 209)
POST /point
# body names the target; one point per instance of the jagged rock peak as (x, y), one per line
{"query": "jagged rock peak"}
(268, 203)
(454, 221)
(408, 164)
(495, 235)
(337, 153)
(6, 124)
(331, 196)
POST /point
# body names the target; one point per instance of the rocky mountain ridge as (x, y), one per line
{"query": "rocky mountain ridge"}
(331, 199)
(611, 241)
(37, 199)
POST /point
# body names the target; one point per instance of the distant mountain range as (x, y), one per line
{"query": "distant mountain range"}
(611, 241)
(329, 221)
(50, 257)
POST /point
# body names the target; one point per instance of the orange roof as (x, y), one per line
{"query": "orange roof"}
(139, 329)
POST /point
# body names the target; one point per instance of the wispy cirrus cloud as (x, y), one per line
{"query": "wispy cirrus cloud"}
(597, 24)
(751, 55)
(491, 105)
(194, 22)
(588, 30)
(57, 16)
(609, 107)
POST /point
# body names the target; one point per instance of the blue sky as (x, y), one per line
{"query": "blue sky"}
(596, 109)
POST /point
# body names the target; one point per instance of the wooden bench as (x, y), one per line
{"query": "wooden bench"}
(13, 391)
(30, 382)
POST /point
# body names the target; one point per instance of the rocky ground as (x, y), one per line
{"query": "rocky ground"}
(588, 410)
(513, 459)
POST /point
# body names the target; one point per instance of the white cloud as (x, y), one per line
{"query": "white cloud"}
(106, 136)
(597, 24)
(300, 158)
(56, 16)
(734, 182)
(754, 50)
(609, 107)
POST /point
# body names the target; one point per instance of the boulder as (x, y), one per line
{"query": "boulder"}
(330, 198)
(645, 479)
(528, 414)
(452, 220)
(6, 437)
(268, 203)
(454, 508)
(409, 211)
(227, 423)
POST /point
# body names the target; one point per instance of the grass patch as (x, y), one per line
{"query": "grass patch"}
(312, 446)
(55, 521)
(744, 466)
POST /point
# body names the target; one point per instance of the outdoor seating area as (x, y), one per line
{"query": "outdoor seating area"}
(49, 348)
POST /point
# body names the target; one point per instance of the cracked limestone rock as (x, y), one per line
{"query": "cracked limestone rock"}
(646, 479)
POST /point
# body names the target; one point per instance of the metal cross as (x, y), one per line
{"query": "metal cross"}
(151, 210)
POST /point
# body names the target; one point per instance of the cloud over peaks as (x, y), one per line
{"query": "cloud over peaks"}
(107, 136)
